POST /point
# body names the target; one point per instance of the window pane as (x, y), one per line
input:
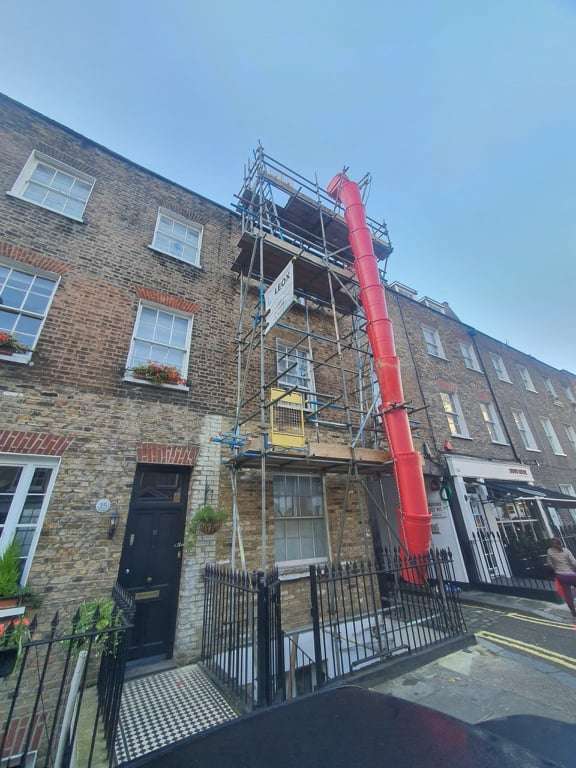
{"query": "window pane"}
(62, 182)
(36, 303)
(40, 480)
(9, 477)
(320, 538)
(20, 280)
(162, 242)
(179, 332)
(163, 327)
(23, 537)
(147, 322)
(31, 509)
(141, 353)
(30, 325)
(192, 236)
(279, 542)
(43, 286)
(175, 357)
(158, 484)
(190, 254)
(34, 193)
(12, 297)
(55, 200)
(165, 224)
(176, 248)
(74, 208)
(43, 173)
(179, 230)
(7, 320)
(81, 190)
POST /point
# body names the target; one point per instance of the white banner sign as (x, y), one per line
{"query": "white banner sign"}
(279, 297)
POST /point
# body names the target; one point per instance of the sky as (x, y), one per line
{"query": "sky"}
(464, 113)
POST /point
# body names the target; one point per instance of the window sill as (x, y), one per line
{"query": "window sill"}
(474, 370)
(559, 454)
(533, 450)
(437, 357)
(21, 359)
(7, 613)
(504, 381)
(462, 437)
(197, 267)
(133, 380)
(292, 570)
(499, 442)
(46, 208)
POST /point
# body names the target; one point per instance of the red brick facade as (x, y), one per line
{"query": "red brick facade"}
(156, 453)
(33, 443)
(168, 300)
(33, 258)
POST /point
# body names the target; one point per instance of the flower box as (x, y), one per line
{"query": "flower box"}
(9, 345)
(8, 602)
(157, 374)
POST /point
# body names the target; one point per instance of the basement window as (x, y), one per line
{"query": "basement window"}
(53, 185)
(177, 237)
(299, 522)
(25, 298)
(25, 488)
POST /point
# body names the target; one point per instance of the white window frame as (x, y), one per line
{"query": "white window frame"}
(571, 435)
(570, 396)
(184, 370)
(493, 423)
(526, 379)
(186, 223)
(308, 560)
(29, 464)
(455, 415)
(550, 388)
(500, 368)
(552, 437)
(567, 489)
(309, 392)
(25, 357)
(525, 432)
(470, 357)
(25, 176)
(436, 343)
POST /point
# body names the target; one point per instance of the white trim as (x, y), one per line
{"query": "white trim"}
(29, 464)
(185, 365)
(6, 613)
(134, 380)
(186, 223)
(25, 176)
(469, 466)
(526, 379)
(291, 567)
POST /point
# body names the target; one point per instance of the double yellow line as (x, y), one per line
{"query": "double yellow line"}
(534, 650)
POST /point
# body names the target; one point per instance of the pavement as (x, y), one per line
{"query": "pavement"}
(519, 680)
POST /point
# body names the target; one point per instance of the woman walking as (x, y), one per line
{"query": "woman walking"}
(563, 563)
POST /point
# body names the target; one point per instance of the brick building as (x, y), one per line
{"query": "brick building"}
(498, 428)
(105, 265)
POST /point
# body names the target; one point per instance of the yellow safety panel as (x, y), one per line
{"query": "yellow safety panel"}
(286, 419)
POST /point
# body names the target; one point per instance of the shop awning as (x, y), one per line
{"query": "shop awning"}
(525, 492)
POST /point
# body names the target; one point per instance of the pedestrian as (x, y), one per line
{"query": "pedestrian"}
(563, 563)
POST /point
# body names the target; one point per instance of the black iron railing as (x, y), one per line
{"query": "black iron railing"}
(62, 701)
(364, 613)
(242, 641)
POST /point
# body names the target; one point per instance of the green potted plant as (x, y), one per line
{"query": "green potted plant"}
(10, 576)
(13, 634)
(206, 520)
(9, 344)
(99, 616)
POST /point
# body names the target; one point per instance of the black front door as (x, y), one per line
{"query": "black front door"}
(151, 556)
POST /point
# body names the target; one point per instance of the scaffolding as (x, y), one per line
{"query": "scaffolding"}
(280, 419)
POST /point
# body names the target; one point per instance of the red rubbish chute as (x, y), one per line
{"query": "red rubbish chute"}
(414, 517)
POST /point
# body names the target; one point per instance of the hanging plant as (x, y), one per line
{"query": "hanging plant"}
(13, 634)
(157, 374)
(206, 520)
(9, 344)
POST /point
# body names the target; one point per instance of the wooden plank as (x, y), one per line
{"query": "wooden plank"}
(332, 451)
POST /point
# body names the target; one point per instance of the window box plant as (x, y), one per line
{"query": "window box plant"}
(10, 576)
(206, 520)
(157, 374)
(9, 345)
(100, 616)
(13, 634)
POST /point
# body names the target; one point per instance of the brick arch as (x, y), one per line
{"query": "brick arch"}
(33, 258)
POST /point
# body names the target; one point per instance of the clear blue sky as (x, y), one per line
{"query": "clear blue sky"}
(465, 113)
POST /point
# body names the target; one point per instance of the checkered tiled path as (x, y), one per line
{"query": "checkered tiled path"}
(161, 709)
